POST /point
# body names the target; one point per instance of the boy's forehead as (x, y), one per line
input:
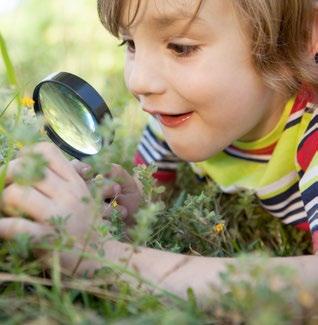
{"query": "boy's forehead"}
(159, 13)
(163, 14)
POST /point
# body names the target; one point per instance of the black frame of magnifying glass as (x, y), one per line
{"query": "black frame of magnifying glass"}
(85, 94)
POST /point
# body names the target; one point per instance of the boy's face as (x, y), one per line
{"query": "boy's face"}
(203, 70)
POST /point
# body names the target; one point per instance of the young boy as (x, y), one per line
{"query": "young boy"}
(232, 85)
(270, 141)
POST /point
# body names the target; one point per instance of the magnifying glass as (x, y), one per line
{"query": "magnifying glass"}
(72, 110)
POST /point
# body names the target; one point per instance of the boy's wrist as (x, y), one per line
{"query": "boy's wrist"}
(114, 250)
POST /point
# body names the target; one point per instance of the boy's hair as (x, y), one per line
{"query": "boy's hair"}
(279, 32)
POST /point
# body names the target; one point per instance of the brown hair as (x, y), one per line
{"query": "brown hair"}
(279, 31)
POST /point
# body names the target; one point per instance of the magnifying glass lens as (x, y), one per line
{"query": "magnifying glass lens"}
(69, 118)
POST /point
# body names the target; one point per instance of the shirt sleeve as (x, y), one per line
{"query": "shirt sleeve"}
(153, 149)
(307, 157)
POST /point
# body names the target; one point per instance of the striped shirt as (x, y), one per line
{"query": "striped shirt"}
(281, 167)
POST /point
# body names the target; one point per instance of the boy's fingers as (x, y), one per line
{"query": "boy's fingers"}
(120, 175)
(51, 185)
(111, 191)
(82, 168)
(57, 162)
(10, 227)
(118, 172)
(14, 167)
(27, 200)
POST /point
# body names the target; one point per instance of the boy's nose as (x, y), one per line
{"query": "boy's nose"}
(143, 77)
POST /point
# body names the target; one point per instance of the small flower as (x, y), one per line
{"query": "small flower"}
(27, 101)
(99, 177)
(218, 228)
(99, 180)
(114, 203)
(306, 299)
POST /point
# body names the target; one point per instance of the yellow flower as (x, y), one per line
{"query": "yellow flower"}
(99, 177)
(27, 101)
(218, 228)
(306, 299)
(114, 203)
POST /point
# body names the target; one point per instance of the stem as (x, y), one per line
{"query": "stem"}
(10, 72)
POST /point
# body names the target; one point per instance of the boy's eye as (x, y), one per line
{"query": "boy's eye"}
(183, 50)
(130, 45)
(179, 49)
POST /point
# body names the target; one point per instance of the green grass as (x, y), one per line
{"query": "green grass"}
(57, 35)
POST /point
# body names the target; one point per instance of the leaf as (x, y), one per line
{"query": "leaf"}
(11, 76)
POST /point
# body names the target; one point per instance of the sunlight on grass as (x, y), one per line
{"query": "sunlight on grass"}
(62, 35)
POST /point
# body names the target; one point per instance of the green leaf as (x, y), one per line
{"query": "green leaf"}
(11, 76)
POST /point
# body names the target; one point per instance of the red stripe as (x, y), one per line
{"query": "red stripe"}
(165, 176)
(303, 226)
(262, 151)
(308, 150)
(304, 96)
(161, 175)
(138, 159)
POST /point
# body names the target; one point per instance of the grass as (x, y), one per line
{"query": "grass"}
(193, 218)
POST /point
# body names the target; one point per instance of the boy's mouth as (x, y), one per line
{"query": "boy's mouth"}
(173, 120)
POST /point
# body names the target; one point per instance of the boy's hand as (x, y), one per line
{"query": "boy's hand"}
(121, 187)
(62, 192)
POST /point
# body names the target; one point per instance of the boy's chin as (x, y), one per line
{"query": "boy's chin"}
(192, 154)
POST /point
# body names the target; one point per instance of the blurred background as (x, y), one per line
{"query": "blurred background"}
(47, 36)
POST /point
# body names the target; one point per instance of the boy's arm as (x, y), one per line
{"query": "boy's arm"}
(177, 272)
(169, 271)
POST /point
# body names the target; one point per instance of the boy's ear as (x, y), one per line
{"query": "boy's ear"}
(314, 40)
